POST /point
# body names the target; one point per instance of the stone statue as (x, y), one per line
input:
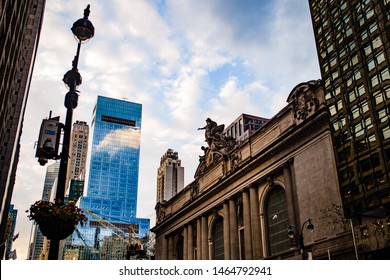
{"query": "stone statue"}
(219, 146)
(212, 131)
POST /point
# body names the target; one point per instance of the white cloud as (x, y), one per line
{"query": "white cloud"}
(183, 61)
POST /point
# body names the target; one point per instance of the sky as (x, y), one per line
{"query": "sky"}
(183, 60)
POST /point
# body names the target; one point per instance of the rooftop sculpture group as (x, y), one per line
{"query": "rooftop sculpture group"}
(218, 144)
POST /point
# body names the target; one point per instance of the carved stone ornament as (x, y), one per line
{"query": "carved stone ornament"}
(160, 212)
(303, 99)
(235, 159)
(194, 190)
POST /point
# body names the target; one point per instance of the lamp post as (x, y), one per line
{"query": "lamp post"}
(293, 234)
(83, 30)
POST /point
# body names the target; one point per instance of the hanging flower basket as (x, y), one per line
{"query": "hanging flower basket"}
(56, 221)
(56, 229)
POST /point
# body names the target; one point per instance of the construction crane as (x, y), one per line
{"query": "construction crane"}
(77, 251)
(108, 225)
(134, 246)
(81, 237)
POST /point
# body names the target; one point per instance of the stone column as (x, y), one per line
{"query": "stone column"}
(205, 243)
(198, 240)
(190, 242)
(247, 225)
(255, 222)
(233, 230)
(226, 231)
(164, 252)
(170, 247)
(289, 193)
(185, 243)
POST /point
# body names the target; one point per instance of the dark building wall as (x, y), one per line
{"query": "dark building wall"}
(352, 38)
(20, 25)
(353, 45)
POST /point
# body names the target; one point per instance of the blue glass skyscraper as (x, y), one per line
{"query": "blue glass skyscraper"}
(113, 172)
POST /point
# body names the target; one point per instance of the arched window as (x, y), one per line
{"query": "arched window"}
(179, 248)
(276, 219)
(219, 253)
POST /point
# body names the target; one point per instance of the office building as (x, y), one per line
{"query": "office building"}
(248, 195)
(10, 233)
(244, 126)
(37, 250)
(352, 38)
(78, 151)
(170, 176)
(76, 190)
(112, 194)
(75, 179)
(20, 27)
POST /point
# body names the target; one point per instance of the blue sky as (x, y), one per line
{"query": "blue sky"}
(183, 60)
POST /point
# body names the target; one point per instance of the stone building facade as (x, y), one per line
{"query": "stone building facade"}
(246, 196)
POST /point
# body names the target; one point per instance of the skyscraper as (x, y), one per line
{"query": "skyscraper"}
(352, 38)
(10, 233)
(78, 151)
(78, 160)
(170, 176)
(20, 27)
(47, 193)
(113, 174)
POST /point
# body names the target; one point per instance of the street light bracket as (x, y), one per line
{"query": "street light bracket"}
(72, 79)
(294, 233)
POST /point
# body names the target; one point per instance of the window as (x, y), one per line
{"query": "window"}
(179, 248)
(332, 110)
(276, 211)
(386, 132)
(367, 50)
(374, 81)
(383, 116)
(354, 78)
(368, 164)
(376, 43)
(339, 105)
(369, 13)
(385, 75)
(341, 123)
(335, 75)
(352, 46)
(349, 32)
(376, 61)
(355, 112)
(355, 60)
(361, 90)
(218, 240)
(333, 62)
(362, 127)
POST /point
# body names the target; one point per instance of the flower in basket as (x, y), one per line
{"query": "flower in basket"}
(43, 211)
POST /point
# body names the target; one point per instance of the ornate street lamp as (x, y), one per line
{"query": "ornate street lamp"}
(293, 234)
(83, 30)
